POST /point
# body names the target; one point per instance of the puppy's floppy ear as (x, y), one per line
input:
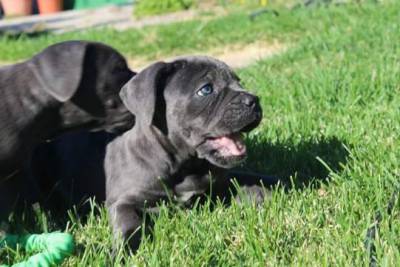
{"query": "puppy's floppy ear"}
(140, 94)
(59, 68)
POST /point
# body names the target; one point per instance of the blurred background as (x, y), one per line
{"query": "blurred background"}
(52, 20)
(27, 7)
(14, 8)
(27, 16)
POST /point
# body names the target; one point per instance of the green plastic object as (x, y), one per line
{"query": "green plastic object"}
(53, 248)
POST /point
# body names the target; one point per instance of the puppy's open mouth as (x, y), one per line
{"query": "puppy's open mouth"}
(231, 145)
(226, 149)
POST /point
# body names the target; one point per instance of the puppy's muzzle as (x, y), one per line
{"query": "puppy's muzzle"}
(244, 114)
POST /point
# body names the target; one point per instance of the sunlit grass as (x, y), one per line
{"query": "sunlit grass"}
(331, 121)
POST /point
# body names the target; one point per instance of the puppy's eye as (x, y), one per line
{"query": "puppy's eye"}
(205, 90)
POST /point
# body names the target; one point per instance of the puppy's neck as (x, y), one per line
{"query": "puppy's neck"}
(171, 149)
(175, 143)
(72, 117)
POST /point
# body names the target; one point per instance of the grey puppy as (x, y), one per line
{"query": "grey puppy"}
(68, 86)
(190, 116)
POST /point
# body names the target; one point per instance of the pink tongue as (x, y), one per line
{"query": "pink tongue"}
(229, 146)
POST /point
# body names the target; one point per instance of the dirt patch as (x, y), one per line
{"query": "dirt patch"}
(239, 57)
(236, 56)
(3, 63)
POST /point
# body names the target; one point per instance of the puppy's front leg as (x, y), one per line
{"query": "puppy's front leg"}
(126, 221)
(252, 186)
(252, 178)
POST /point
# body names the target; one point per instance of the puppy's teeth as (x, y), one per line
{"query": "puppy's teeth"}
(239, 144)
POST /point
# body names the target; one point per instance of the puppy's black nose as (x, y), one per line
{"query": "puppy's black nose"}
(248, 99)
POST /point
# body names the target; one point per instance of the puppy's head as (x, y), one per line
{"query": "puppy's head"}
(87, 78)
(198, 101)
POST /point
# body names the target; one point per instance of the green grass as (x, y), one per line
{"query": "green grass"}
(331, 119)
(154, 7)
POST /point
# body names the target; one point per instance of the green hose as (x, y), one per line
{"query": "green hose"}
(53, 247)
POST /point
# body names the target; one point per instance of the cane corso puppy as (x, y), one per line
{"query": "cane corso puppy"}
(190, 114)
(70, 85)
(190, 117)
(67, 86)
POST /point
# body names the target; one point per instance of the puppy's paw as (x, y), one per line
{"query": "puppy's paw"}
(253, 194)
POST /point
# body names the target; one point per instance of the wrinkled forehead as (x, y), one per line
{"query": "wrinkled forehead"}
(203, 66)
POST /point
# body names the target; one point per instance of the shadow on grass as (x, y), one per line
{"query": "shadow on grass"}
(16, 35)
(298, 165)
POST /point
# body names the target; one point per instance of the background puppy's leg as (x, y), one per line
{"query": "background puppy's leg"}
(126, 221)
(8, 198)
(17, 193)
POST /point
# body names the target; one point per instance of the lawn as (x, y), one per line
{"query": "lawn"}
(331, 124)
